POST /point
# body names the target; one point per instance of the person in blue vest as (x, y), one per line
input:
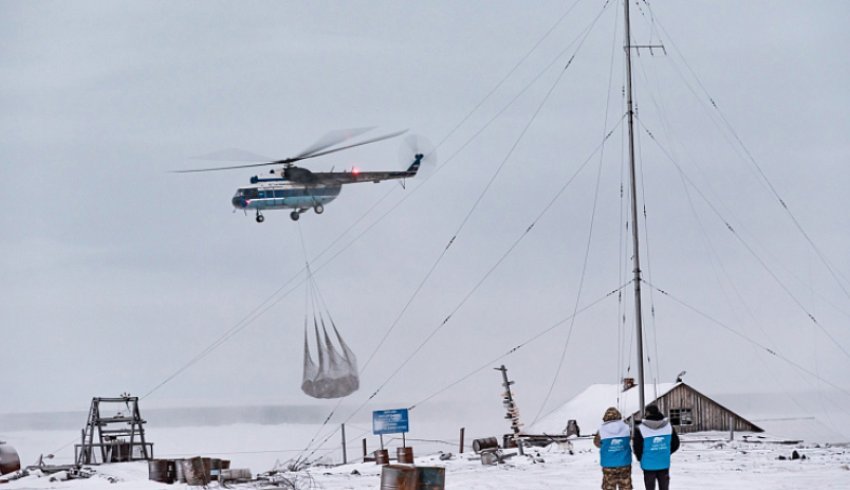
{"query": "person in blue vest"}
(615, 452)
(655, 440)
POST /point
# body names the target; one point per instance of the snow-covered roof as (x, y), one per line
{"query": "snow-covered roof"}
(588, 407)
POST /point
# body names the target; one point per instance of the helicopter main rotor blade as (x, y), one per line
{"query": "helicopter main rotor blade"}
(333, 138)
(213, 169)
(233, 155)
(327, 152)
(287, 161)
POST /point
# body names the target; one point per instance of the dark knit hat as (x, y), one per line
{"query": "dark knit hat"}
(652, 411)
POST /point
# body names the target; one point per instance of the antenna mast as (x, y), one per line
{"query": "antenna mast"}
(627, 46)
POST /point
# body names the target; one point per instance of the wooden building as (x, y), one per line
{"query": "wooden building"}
(691, 411)
(688, 409)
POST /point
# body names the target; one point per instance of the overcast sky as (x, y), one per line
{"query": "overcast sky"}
(116, 272)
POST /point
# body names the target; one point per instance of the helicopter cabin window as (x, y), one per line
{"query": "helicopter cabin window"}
(681, 416)
(249, 193)
(279, 194)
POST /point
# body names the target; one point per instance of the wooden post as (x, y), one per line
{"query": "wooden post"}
(731, 428)
(344, 455)
(364, 449)
(462, 429)
(510, 405)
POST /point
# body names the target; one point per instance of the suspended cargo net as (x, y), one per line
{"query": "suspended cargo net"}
(335, 374)
(332, 372)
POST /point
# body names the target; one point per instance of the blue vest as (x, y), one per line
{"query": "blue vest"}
(615, 450)
(656, 447)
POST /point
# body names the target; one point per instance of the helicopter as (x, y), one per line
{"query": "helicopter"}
(298, 188)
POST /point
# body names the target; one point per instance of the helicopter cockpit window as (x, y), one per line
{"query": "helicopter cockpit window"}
(247, 193)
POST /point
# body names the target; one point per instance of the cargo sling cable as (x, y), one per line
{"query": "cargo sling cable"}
(335, 375)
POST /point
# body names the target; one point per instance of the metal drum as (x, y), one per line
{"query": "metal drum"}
(207, 462)
(239, 474)
(178, 471)
(430, 478)
(194, 471)
(9, 460)
(382, 457)
(398, 477)
(479, 445)
(158, 471)
(404, 455)
(215, 468)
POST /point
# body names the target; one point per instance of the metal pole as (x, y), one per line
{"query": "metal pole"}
(364, 450)
(344, 454)
(462, 429)
(635, 235)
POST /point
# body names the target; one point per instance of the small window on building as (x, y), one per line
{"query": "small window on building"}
(681, 416)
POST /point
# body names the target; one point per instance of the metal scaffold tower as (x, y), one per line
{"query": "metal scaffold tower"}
(120, 432)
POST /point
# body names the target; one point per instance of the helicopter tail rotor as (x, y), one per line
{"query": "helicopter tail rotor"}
(412, 147)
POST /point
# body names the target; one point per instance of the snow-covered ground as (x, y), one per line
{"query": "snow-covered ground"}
(704, 462)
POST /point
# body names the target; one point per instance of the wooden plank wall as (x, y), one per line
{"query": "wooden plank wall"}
(707, 414)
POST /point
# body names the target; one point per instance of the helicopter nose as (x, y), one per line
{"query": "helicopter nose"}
(238, 202)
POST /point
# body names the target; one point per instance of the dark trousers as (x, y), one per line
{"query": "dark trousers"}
(662, 476)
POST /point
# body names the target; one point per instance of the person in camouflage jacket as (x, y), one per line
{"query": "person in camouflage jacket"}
(615, 452)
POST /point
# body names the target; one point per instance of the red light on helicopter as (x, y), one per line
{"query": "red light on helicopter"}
(355, 170)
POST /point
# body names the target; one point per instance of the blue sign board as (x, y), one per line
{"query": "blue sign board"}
(389, 421)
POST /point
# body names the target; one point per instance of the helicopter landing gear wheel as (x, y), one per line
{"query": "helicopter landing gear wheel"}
(319, 209)
(295, 215)
(260, 218)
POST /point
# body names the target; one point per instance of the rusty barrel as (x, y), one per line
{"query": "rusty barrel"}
(243, 474)
(485, 443)
(159, 471)
(215, 468)
(398, 477)
(9, 460)
(207, 462)
(179, 477)
(194, 471)
(404, 455)
(430, 478)
(382, 457)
